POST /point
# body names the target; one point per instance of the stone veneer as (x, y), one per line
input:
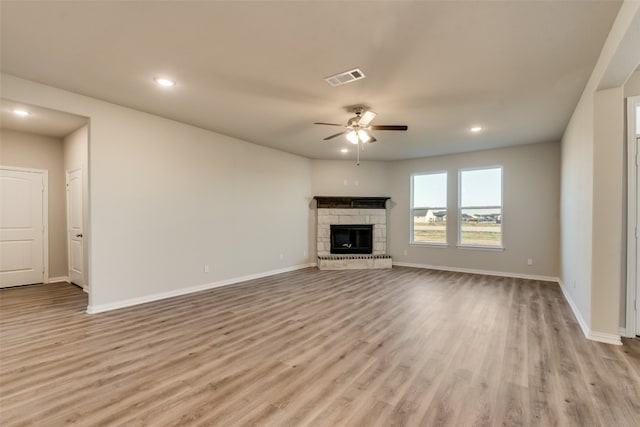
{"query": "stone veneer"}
(328, 216)
(377, 217)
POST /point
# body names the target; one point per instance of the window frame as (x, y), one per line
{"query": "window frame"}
(412, 241)
(498, 247)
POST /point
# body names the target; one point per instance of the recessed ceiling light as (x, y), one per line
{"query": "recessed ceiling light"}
(476, 129)
(164, 81)
(21, 113)
(344, 150)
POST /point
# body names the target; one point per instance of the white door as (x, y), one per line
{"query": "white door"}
(637, 297)
(633, 218)
(21, 227)
(75, 229)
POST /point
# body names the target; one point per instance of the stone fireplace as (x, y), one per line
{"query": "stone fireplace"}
(352, 233)
(351, 238)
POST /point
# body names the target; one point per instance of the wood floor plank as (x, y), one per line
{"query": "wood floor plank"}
(399, 347)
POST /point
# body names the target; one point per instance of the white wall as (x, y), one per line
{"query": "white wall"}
(531, 205)
(609, 235)
(76, 156)
(167, 198)
(592, 207)
(345, 178)
(632, 86)
(28, 150)
(531, 176)
(576, 207)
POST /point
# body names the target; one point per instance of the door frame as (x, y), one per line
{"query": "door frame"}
(85, 285)
(632, 223)
(45, 214)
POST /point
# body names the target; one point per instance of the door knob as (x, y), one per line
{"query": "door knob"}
(78, 235)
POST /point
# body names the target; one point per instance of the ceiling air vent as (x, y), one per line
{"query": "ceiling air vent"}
(346, 77)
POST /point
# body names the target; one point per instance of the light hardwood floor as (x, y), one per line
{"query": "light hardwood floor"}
(401, 347)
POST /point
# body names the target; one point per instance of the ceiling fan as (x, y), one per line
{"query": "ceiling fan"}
(359, 127)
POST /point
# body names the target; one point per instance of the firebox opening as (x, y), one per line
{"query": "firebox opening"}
(352, 239)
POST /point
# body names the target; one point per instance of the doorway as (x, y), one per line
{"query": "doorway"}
(633, 217)
(44, 159)
(75, 227)
(23, 226)
(637, 241)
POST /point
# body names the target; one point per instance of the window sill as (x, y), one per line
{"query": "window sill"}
(429, 245)
(482, 248)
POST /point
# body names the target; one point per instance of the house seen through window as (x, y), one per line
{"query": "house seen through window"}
(480, 207)
(429, 208)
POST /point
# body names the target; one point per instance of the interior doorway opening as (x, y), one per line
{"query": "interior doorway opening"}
(633, 218)
(56, 144)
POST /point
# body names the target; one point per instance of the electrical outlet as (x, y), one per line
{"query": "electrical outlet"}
(346, 182)
(406, 252)
(357, 182)
(206, 268)
(281, 257)
(530, 261)
(304, 253)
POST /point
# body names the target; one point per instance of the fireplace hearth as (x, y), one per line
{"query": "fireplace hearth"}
(352, 233)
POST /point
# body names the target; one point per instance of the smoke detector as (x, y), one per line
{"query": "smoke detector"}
(346, 77)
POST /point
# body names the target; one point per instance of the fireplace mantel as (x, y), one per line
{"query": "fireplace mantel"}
(344, 202)
(349, 212)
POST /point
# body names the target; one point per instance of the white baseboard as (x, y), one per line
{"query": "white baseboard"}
(592, 335)
(612, 339)
(576, 313)
(93, 309)
(58, 279)
(472, 271)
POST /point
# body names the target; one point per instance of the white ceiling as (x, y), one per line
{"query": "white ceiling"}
(41, 121)
(255, 70)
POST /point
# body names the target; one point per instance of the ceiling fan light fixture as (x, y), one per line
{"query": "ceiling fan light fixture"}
(164, 82)
(367, 117)
(21, 113)
(476, 129)
(358, 128)
(352, 137)
(364, 137)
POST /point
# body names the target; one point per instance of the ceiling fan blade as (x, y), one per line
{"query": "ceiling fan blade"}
(329, 124)
(372, 139)
(367, 117)
(389, 127)
(333, 136)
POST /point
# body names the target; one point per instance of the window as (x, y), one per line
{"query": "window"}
(480, 207)
(429, 208)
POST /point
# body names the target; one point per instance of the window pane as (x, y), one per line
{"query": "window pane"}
(482, 187)
(429, 210)
(430, 190)
(481, 207)
(481, 227)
